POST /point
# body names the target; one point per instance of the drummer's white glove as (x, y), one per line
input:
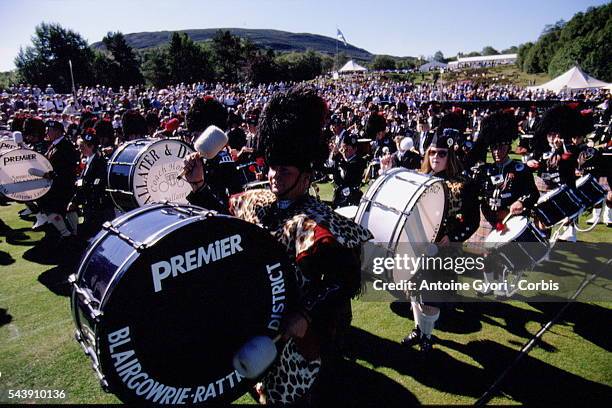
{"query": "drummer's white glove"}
(194, 171)
(517, 208)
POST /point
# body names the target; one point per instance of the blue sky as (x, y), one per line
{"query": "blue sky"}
(395, 27)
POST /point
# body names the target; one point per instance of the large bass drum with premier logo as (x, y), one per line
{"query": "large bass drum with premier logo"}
(166, 294)
(404, 211)
(145, 171)
(21, 173)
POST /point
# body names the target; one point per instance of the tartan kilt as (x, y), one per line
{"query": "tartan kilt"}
(543, 186)
(484, 229)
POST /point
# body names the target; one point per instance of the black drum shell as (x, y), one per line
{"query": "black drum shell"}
(185, 334)
(565, 204)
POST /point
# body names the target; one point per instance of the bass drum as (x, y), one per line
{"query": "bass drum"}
(166, 294)
(21, 173)
(404, 211)
(145, 171)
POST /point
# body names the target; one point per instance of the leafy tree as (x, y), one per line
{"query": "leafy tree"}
(46, 61)
(488, 50)
(522, 52)
(187, 61)
(382, 62)
(228, 55)
(438, 56)
(511, 50)
(125, 67)
(156, 68)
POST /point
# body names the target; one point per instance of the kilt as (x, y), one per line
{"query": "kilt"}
(486, 226)
(544, 186)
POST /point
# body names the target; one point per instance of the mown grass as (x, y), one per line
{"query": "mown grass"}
(476, 341)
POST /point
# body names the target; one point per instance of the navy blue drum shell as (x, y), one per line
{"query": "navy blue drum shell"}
(186, 323)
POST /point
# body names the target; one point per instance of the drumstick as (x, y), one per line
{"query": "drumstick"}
(36, 172)
(182, 173)
(256, 355)
(507, 218)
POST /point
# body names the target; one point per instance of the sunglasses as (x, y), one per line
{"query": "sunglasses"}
(440, 153)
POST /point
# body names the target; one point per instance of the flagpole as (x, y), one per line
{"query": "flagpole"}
(72, 78)
(336, 59)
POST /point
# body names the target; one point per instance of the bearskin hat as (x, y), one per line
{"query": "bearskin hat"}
(205, 112)
(376, 123)
(498, 128)
(104, 129)
(452, 120)
(290, 129)
(34, 126)
(561, 119)
(133, 123)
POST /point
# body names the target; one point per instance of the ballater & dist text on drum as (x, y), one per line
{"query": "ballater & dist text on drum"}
(478, 285)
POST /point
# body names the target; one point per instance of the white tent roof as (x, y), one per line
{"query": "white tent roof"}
(575, 78)
(352, 66)
(432, 64)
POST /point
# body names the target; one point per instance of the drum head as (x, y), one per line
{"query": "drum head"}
(7, 143)
(155, 172)
(20, 171)
(515, 226)
(186, 305)
(583, 180)
(404, 211)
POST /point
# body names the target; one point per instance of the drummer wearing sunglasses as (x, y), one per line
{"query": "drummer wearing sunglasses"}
(460, 221)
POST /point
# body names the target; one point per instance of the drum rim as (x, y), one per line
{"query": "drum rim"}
(365, 202)
(148, 142)
(528, 221)
(40, 155)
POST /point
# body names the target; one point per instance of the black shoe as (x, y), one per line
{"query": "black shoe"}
(426, 345)
(413, 338)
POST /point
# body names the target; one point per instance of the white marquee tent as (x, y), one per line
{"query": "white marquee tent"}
(352, 66)
(575, 78)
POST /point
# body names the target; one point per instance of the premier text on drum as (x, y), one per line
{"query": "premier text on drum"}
(194, 259)
(24, 157)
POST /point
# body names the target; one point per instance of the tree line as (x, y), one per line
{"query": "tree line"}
(225, 58)
(586, 40)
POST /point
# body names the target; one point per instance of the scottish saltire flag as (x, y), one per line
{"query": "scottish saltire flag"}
(341, 36)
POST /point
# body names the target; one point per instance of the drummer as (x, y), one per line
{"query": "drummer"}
(222, 177)
(347, 170)
(97, 207)
(324, 246)
(556, 153)
(506, 186)
(64, 158)
(459, 224)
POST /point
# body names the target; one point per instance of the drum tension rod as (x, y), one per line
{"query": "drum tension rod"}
(139, 246)
(86, 298)
(94, 360)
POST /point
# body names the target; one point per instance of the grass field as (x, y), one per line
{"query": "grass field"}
(476, 341)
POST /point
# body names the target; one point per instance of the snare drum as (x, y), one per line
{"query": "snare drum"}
(590, 191)
(557, 205)
(166, 294)
(247, 172)
(145, 171)
(520, 244)
(403, 207)
(21, 173)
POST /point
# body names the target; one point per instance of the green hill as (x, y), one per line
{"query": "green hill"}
(280, 41)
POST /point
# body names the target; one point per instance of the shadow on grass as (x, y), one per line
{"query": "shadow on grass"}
(5, 318)
(531, 382)
(56, 279)
(589, 321)
(6, 258)
(345, 383)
